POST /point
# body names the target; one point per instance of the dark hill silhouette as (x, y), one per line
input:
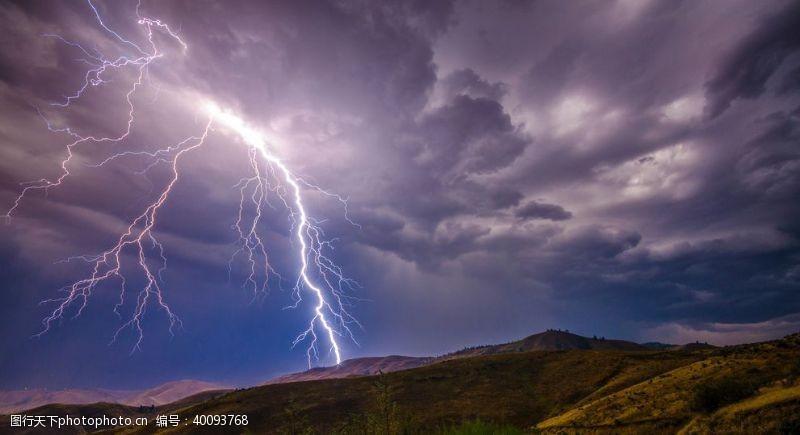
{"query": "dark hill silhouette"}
(563, 340)
(696, 346)
(355, 367)
(580, 390)
(556, 390)
(12, 401)
(656, 345)
(551, 339)
(548, 340)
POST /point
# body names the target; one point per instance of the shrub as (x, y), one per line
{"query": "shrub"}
(712, 395)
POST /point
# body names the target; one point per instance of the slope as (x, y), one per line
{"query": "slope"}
(518, 388)
(355, 367)
(755, 383)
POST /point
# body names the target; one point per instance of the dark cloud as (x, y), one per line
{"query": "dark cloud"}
(744, 74)
(771, 162)
(548, 77)
(790, 82)
(440, 122)
(599, 241)
(542, 210)
(468, 82)
(468, 135)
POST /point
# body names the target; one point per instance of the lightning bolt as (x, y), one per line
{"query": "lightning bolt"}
(317, 275)
(309, 236)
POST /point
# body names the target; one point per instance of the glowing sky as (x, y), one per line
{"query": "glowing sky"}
(620, 168)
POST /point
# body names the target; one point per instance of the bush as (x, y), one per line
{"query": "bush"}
(712, 395)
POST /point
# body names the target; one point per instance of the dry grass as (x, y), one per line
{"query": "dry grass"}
(663, 403)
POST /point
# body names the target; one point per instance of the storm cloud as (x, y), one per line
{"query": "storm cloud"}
(541, 210)
(625, 169)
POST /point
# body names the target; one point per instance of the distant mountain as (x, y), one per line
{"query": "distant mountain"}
(565, 388)
(655, 345)
(355, 367)
(170, 392)
(12, 401)
(696, 346)
(752, 388)
(549, 340)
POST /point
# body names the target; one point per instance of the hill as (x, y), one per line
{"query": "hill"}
(355, 367)
(520, 389)
(752, 388)
(95, 410)
(563, 391)
(171, 392)
(740, 389)
(549, 340)
(13, 401)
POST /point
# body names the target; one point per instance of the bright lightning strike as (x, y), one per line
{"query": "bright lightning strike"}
(317, 275)
(308, 235)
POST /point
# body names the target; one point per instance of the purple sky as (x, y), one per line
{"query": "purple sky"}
(620, 168)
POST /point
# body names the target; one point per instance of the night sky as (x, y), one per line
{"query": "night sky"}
(621, 168)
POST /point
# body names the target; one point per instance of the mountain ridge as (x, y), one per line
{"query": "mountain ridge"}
(551, 339)
(18, 400)
(558, 391)
(548, 340)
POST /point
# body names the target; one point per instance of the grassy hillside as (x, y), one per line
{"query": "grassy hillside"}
(517, 389)
(14, 401)
(100, 409)
(750, 388)
(551, 339)
(355, 367)
(741, 389)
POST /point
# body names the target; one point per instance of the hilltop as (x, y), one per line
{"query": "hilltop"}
(552, 339)
(355, 367)
(548, 340)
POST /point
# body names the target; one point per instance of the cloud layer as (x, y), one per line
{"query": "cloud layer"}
(624, 169)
